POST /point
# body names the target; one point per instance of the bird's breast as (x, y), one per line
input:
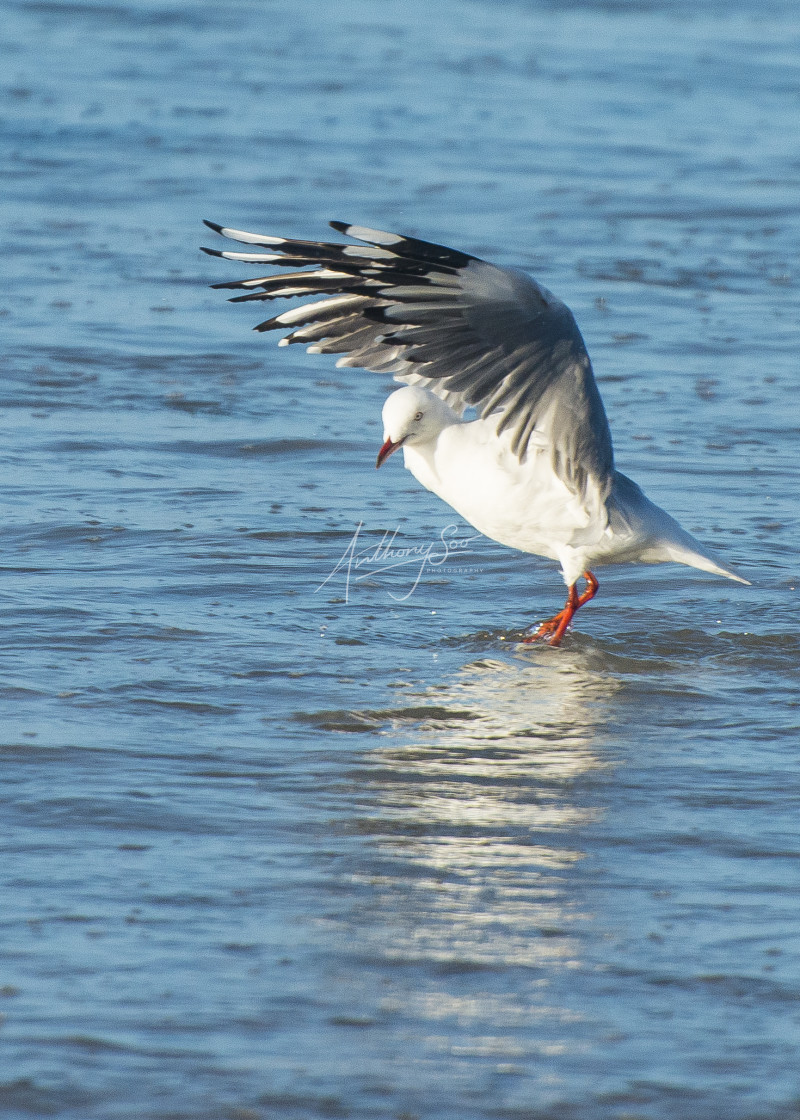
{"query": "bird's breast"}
(521, 505)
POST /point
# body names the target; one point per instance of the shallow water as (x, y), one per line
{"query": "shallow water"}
(287, 836)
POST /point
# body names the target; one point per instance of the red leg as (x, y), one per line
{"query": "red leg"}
(555, 628)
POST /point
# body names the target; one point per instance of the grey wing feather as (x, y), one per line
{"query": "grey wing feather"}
(471, 332)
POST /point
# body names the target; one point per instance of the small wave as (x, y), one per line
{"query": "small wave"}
(265, 448)
(370, 720)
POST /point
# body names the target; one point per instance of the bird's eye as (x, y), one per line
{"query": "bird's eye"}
(418, 416)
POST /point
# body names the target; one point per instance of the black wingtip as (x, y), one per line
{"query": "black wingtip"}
(340, 227)
(211, 252)
(212, 225)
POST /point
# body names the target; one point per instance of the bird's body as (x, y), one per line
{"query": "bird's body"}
(534, 471)
(522, 505)
(528, 507)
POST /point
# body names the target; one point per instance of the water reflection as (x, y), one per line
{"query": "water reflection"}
(476, 816)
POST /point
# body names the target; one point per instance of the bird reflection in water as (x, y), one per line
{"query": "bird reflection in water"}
(480, 814)
(466, 900)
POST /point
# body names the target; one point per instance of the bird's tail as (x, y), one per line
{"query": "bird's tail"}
(666, 539)
(695, 556)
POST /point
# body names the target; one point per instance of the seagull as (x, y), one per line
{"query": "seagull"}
(499, 415)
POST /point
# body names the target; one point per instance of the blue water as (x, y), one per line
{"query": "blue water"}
(286, 840)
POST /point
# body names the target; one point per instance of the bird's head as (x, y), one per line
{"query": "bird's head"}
(412, 415)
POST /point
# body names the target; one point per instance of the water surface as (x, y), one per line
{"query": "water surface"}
(282, 843)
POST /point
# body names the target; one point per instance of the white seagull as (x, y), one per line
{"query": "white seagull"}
(534, 469)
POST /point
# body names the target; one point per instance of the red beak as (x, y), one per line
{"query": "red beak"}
(386, 451)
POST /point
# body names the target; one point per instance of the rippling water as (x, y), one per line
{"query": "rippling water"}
(292, 826)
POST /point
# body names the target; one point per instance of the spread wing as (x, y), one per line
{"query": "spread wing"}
(471, 332)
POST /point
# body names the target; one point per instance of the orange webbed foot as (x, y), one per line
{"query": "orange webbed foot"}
(555, 628)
